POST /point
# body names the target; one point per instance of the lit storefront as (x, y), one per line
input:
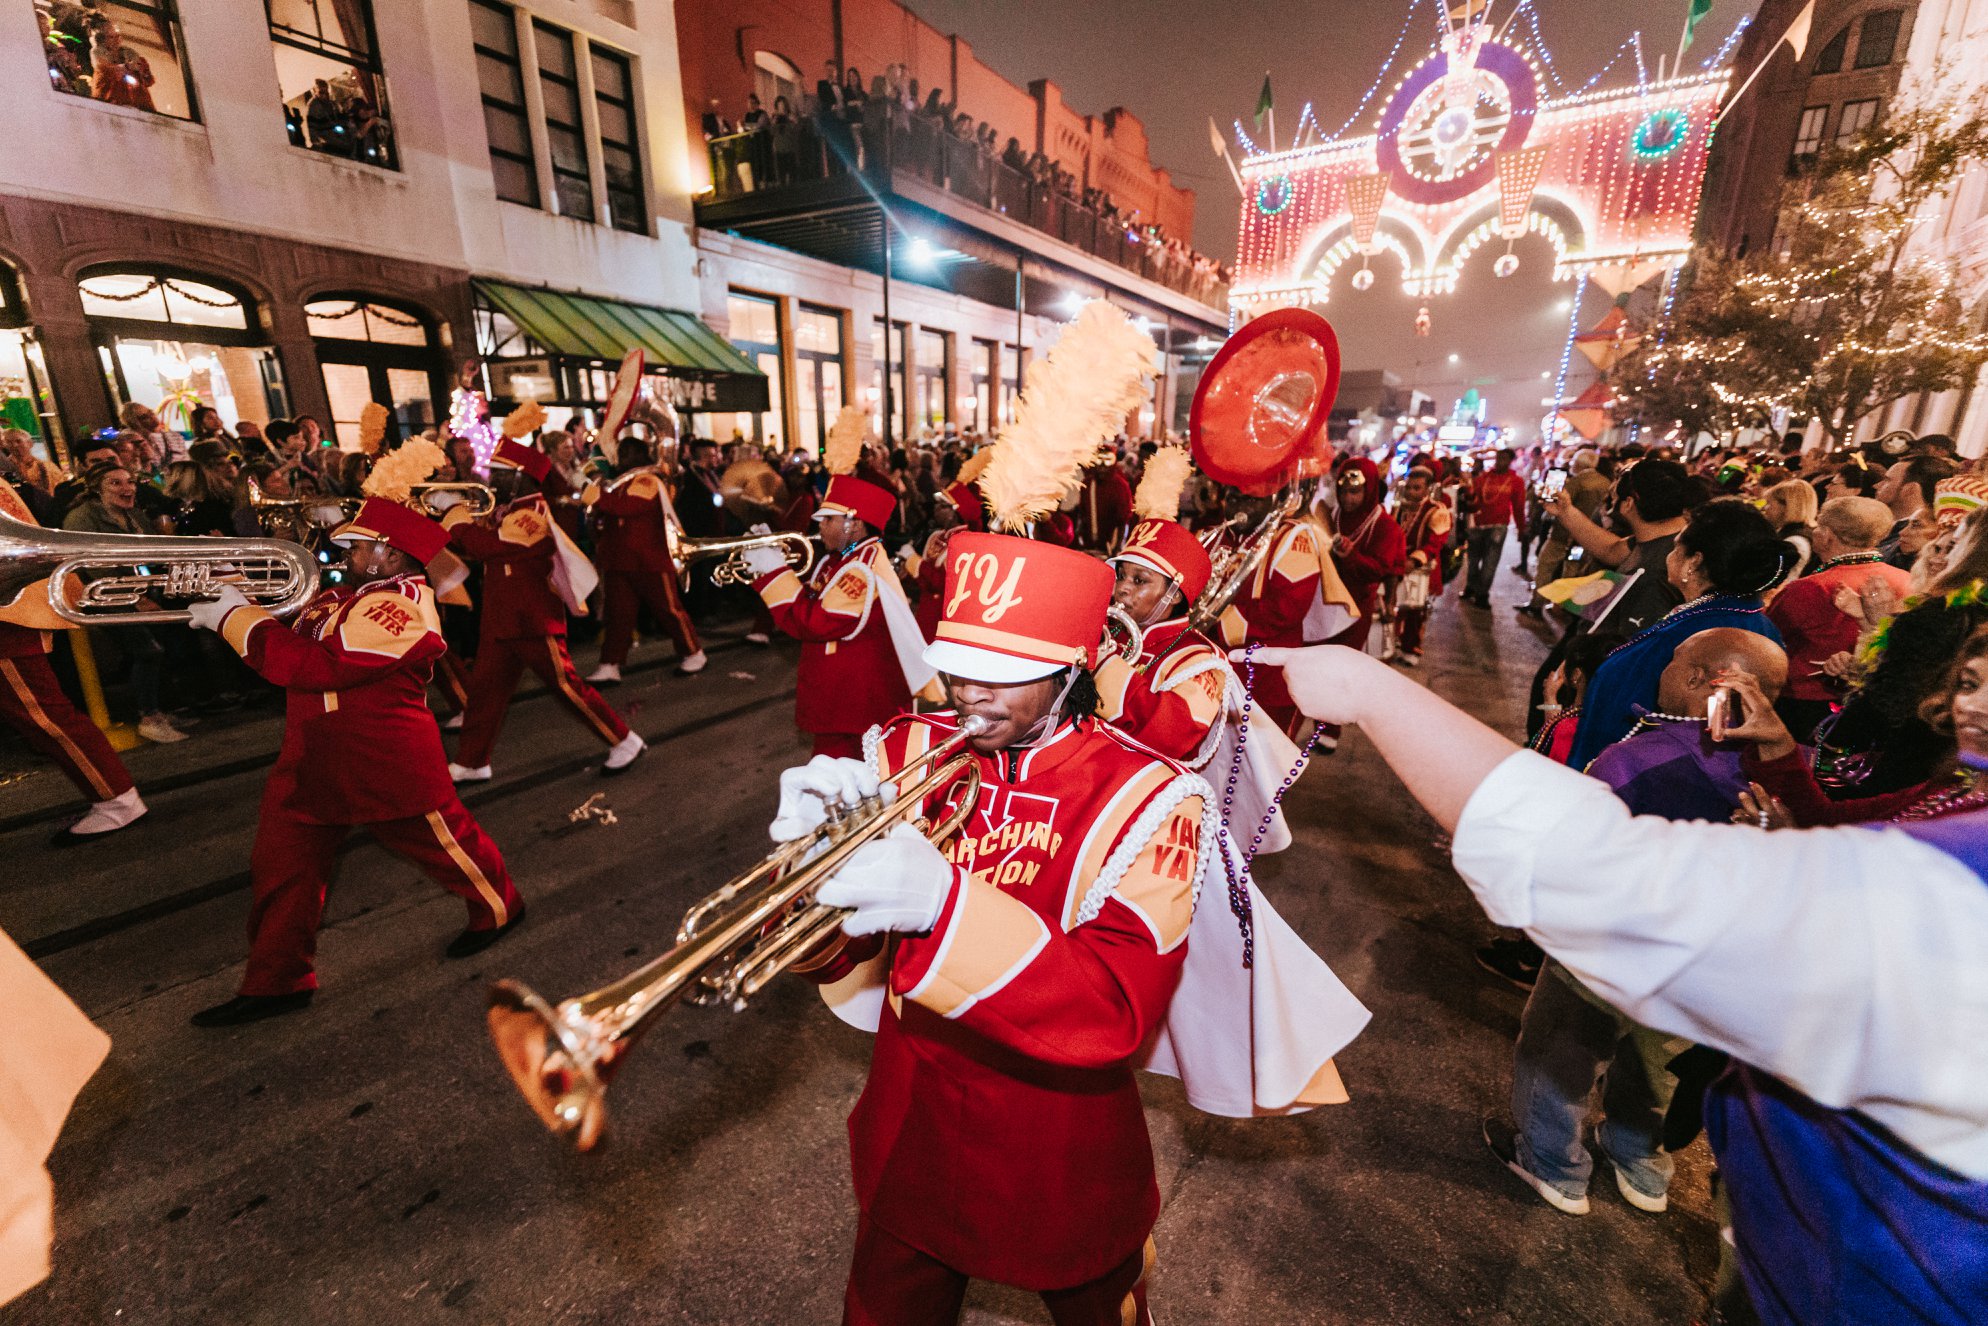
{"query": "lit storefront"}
(177, 341)
(25, 399)
(375, 350)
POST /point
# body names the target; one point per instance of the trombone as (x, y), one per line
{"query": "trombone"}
(277, 576)
(729, 946)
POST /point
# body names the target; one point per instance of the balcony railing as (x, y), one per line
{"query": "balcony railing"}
(778, 157)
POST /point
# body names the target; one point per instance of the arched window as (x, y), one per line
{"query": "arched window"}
(371, 349)
(1830, 59)
(176, 340)
(776, 76)
(1877, 39)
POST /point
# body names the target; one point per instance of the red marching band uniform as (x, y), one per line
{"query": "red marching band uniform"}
(928, 568)
(1368, 551)
(633, 518)
(859, 637)
(532, 577)
(1295, 598)
(1000, 1134)
(33, 704)
(1425, 532)
(360, 750)
(1173, 695)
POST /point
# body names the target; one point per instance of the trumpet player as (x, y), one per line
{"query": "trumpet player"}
(532, 576)
(1000, 1134)
(33, 704)
(360, 750)
(1171, 696)
(633, 516)
(859, 639)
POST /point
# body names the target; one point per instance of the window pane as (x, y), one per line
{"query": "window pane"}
(1830, 61)
(340, 27)
(1878, 38)
(121, 296)
(493, 26)
(120, 52)
(499, 82)
(820, 331)
(1857, 117)
(610, 76)
(507, 132)
(576, 197)
(334, 101)
(754, 320)
(568, 152)
(555, 52)
(515, 180)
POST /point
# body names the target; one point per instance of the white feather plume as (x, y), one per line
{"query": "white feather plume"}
(845, 441)
(1074, 399)
(1160, 487)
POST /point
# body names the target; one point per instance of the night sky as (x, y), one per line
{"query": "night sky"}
(1177, 62)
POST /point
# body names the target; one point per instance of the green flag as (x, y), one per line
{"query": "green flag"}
(1696, 15)
(1263, 101)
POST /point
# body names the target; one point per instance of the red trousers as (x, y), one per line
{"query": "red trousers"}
(892, 1283)
(33, 704)
(291, 868)
(840, 745)
(499, 664)
(1411, 620)
(624, 592)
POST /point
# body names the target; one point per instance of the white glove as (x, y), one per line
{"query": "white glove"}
(207, 614)
(761, 528)
(763, 561)
(906, 553)
(807, 791)
(442, 501)
(898, 882)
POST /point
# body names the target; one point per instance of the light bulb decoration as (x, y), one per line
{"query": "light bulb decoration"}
(1623, 165)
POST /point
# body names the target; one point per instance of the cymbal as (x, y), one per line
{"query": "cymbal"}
(751, 490)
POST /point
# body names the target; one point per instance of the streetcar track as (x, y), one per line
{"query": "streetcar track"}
(75, 936)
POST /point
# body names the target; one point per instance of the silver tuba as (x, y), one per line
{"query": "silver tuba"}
(277, 576)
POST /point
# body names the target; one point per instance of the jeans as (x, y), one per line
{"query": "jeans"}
(1567, 1039)
(1487, 548)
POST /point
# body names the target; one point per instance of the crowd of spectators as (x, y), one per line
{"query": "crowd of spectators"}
(845, 121)
(89, 57)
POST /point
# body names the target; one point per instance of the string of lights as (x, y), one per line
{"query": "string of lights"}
(1718, 59)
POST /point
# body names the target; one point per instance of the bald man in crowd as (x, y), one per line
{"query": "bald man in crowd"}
(1848, 531)
(1568, 1038)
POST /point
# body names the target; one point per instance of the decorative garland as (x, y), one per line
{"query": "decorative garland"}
(163, 283)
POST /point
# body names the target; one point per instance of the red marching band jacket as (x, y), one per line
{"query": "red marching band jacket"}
(518, 552)
(1425, 531)
(359, 743)
(1171, 696)
(1000, 1130)
(850, 678)
(633, 525)
(1295, 598)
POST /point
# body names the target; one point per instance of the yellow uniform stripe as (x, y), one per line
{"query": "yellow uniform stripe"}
(22, 692)
(992, 938)
(559, 675)
(467, 866)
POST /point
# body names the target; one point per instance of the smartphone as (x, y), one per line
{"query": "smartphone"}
(1723, 709)
(1554, 483)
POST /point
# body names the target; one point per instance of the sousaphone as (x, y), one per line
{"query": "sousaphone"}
(1260, 412)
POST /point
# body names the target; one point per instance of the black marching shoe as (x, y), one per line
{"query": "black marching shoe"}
(1515, 960)
(471, 942)
(252, 1008)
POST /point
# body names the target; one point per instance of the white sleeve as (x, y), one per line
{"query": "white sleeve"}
(1847, 961)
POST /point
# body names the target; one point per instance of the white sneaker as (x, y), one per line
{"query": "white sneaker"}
(692, 663)
(106, 816)
(1326, 744)
(758, 638)
(452, 723)
(1498, 1135)
(606, 672)
(623, 753)
(1413, 660)
(1389, 653)
(1642, 1201)
(462, 773)
(158, 728)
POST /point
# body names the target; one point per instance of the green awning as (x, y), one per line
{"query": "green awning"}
(606, 329)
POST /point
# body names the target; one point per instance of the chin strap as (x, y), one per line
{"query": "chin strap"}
(1046, 726)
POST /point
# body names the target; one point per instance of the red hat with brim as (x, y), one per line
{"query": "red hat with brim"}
(1168, 547)
(963, 498)
(1018, 610)
(854, 497)
(400, 527)
(515, 455)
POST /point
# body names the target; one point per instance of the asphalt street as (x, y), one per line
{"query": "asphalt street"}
(368, 1161)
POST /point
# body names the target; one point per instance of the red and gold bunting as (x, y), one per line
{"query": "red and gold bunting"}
(1619, 278)
(1614, 336)
(1588, 413)
(1364, 196)
(1518, 176)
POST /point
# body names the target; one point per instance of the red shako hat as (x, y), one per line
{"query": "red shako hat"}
(515, 455)
(965, 499)
(1169, 548)
(1017, 609)
(401, 527)
(847, 496)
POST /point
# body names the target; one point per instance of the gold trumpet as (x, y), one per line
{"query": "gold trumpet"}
(729, 946)
(798, 549)
(275, 575)
(480, 498)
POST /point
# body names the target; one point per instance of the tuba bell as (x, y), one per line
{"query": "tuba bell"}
(277, 576)
(479, 498)
(729, 946)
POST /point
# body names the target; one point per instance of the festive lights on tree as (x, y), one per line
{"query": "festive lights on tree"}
(469, 419)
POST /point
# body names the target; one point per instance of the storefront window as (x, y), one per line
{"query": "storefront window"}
(175, 343)
(25, 400)
(898, 396)
(986, 365)
(1011, 381)
(120, 52)
(329, 78)
(755, 329)
(372, 351)
(817, 375)
(935, 352)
